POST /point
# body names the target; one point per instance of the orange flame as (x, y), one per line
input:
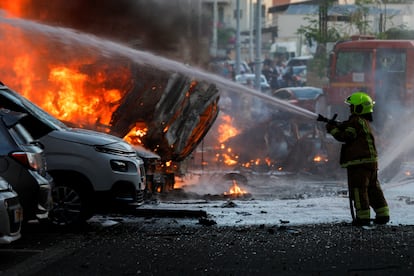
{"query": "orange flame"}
(135, 135)
(74, 85)
(235, 190)
(320, 159)
(15, 8)
(226, 130)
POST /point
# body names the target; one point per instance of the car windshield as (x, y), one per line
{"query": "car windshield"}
(298, 69)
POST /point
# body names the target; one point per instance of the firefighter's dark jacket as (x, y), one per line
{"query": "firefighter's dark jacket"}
(358, 141)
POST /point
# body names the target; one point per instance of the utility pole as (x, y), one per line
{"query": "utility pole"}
(258, 60)
(251, 25)
(215, 23)
(237, 71)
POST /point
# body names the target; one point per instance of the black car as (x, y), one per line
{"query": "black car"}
(23, 165)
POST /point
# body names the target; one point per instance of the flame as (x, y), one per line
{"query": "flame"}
(135, 135)
(320, 159)
(235, 190)
(73, 84)
(15, 8)
(226, 130)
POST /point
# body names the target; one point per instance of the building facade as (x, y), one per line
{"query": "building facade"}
(281, 19)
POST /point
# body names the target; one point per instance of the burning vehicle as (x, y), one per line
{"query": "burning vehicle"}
(265, 140)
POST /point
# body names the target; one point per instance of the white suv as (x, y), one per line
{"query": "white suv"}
(90, 169)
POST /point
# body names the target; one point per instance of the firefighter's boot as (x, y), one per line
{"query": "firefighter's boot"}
(382, 215)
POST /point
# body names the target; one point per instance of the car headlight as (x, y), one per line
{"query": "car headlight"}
(118, 165)
(122, 149)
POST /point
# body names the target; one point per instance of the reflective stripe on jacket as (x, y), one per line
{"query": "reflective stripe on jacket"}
(358, 141)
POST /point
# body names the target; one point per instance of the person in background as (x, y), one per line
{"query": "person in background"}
(359, 157)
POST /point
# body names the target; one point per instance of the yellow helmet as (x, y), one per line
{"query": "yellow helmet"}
(361, 103)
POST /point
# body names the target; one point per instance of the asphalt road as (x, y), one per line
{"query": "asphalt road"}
(162, 246)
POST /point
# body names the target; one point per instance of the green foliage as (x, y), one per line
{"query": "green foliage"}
(399, 33)
(359, 17)
(318, 65)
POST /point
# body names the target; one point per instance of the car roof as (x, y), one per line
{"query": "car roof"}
(301, 58)
(300, 90)
(248, 75)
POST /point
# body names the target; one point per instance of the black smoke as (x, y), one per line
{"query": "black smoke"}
(156, 25)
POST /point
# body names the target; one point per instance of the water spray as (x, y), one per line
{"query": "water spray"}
(74, 38)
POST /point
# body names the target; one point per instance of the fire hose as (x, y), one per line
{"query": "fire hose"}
(350, 196)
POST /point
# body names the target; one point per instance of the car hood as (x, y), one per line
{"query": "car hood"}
(87, 137)
(145, 153)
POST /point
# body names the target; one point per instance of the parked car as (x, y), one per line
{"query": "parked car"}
(90, 169)
(11, 213)
(307, 97)
(250, 79)
(22, 164)
(244, 67)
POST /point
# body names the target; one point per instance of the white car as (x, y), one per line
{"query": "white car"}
(11, 214)
(91, 170)
(249, 79)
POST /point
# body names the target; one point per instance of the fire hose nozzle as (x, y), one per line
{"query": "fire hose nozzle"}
(326, 120)
(322, 118)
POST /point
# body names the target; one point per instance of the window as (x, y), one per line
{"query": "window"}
(353, 62)
(391, 60)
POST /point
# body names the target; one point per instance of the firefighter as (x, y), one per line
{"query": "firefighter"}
(359, 157)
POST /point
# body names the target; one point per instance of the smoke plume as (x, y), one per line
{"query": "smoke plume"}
(153, 25)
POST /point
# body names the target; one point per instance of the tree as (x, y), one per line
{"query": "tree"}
(320, 32)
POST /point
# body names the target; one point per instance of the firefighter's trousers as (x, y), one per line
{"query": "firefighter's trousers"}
(366, 192)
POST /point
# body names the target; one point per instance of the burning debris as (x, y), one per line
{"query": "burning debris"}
(235, 191)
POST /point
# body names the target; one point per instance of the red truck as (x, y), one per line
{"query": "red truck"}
(382, 68)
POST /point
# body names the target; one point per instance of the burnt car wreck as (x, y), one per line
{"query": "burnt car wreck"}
(170, 117)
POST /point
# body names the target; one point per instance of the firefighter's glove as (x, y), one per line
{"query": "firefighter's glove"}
(330, 127)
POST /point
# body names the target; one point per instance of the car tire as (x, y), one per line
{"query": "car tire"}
(71, 205)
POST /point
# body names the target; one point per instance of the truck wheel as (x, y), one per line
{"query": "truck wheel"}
(70, 205)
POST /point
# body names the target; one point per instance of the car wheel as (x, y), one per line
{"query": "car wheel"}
(70, 206)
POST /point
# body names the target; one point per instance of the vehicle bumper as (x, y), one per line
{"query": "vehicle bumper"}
(11, 218)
